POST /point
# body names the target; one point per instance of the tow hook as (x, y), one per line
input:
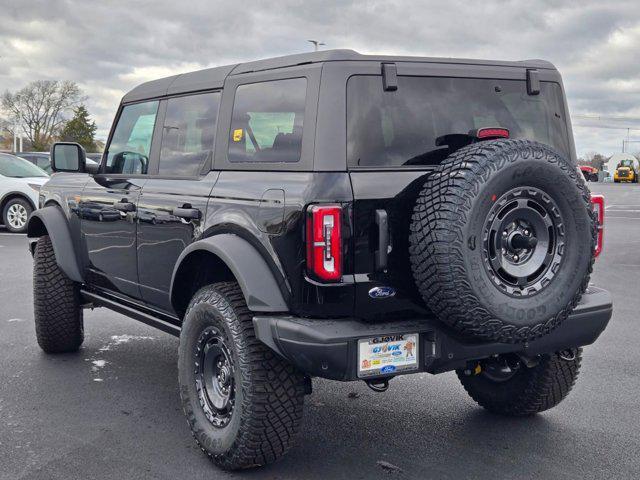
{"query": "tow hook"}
(567, 355)
(378, 385)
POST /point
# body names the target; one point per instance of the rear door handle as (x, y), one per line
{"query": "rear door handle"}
(124, 206)
(188, 213)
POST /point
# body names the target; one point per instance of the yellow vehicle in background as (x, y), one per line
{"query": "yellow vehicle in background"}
(625, 172)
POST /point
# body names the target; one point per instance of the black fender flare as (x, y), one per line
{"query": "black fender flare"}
(52, 221)
(259, 286)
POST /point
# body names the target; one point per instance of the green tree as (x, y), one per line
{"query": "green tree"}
(80, 129)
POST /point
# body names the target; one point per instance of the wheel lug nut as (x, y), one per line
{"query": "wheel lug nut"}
(526, 232)
(516, 258)
(504, 251)
(504, 233)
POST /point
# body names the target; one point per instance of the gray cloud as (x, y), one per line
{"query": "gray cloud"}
(109, 47)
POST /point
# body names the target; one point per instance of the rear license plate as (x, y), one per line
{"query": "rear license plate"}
(387, 355)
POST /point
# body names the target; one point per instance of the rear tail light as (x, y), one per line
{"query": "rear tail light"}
(324, 242)
(597, 202)
(489, 133)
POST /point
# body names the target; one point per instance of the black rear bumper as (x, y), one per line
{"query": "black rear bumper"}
(328, 348)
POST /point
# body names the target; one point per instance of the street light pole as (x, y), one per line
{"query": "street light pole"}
(316, 44)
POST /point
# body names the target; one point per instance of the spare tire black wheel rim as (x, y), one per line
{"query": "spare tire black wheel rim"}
(214, 376)
(524, 241)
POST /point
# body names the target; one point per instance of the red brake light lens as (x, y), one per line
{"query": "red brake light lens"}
(487, 133)
(597, 202)
(324, 242)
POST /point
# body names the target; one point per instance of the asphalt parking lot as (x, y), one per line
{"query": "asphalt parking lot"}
(112, 410)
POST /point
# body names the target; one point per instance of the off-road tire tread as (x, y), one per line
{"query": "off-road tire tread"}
(56, 299)
(548, 384)
(273, 404)
(436, 238)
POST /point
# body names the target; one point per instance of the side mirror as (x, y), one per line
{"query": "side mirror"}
(68, 157)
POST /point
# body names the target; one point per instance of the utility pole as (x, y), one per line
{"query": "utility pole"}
(17, 139)
(316, 44)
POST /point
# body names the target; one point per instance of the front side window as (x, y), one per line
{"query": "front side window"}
(131, 142)
(188, 133)
(427, 118)
(267, 120)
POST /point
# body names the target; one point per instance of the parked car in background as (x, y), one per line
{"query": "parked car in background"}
(40, 159)
(590, 173)
(20, 182)
(94, 157)
(43, 159)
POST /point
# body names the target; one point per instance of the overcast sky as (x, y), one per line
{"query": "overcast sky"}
(109, 46)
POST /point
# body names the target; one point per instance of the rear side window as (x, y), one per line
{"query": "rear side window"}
(131, 142)
(267, 121)
(188, 133)
(427, 118)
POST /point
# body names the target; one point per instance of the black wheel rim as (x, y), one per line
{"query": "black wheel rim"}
(214, 374)
(524, 241)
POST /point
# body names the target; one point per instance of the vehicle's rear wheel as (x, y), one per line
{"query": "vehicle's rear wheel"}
(505, 385)
(243, 402)
(502, 240)
(15, 214)
(56, 302)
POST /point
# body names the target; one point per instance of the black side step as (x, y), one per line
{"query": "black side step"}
(129, 311)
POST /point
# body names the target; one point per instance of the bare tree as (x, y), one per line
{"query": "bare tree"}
(39, 108)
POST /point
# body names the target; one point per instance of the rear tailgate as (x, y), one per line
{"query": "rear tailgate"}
(384, 289)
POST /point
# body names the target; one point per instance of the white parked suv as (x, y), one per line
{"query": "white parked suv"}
(20, 182)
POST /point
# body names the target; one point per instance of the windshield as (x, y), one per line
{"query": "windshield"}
(11, 166)
(626, 163)
(427, 118)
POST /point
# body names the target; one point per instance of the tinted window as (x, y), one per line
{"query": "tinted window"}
(131, 141)
(44, 163)
(15, 167)
(427, 118)
(188, 133)
(267, 121)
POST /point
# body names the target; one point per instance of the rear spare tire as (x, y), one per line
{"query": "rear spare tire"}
(502, 239)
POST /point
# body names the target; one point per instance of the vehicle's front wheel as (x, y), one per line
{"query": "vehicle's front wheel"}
(15, 215)
(506, 386)
(243, 402)
(56, 303)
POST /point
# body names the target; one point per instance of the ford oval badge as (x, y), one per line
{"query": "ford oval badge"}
(382, 292)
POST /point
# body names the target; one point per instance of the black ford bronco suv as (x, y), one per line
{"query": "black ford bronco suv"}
(331, 215)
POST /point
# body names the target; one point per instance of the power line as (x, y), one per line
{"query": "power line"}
(606, 117)
(609, 127)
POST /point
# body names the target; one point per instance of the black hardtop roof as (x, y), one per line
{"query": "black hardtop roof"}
(211, 78)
